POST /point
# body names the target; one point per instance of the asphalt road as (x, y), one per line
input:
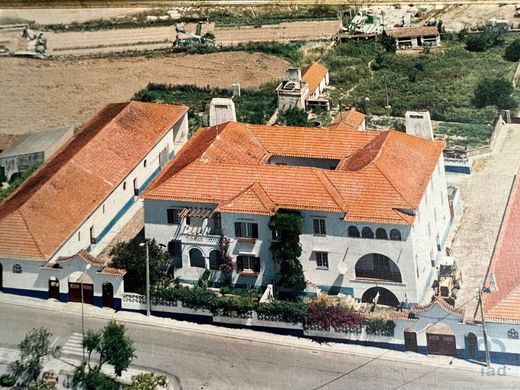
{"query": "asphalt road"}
(209, 362)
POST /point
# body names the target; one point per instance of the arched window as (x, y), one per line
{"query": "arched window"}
(17, 269)
(196, 258)
(512, 334)
(367, 233)
(378, 266)
(353, 231)
(144, 163)
(381, 234)
(124, 185)
(395, 235)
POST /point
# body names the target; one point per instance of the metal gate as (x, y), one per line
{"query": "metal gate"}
(441, 344)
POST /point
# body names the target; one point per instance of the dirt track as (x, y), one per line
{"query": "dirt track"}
(43, 94)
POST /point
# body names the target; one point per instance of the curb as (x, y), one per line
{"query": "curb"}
(329, 347)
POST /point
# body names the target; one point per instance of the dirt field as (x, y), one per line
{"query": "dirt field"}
(43, 94)
(456, 17)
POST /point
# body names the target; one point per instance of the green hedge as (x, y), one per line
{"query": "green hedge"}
(379, 327)
(293, 312)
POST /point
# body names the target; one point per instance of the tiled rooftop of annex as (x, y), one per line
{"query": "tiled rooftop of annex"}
(378, 173)
(41, 215)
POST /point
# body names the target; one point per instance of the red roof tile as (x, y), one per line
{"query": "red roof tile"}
(66, 189)
(504, 304)
(113, 271)
(412, 31)
(349, 120)
(313, 74)
(233, 172)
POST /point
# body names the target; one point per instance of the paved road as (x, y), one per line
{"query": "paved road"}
(209, 362)
(484, 197)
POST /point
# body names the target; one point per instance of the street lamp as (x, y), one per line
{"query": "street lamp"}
(82, 313)
(145, 244)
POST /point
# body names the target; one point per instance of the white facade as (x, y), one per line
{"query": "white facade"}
(409, 275)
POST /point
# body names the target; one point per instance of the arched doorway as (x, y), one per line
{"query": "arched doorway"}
(1, 277)
(440, 340)
(214, 259)
(471, 346)
(410, 340)
(108, 295)
(54, 288)
(378, 266)
(196, 258)
(384, 296)
(78, 281)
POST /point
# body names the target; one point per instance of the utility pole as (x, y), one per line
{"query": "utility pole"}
(484, 329)
(145, 244)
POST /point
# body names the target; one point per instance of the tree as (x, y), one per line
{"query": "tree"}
(440, 27)
(388, 43)
(35, 345)
(112, 346)
(495, 92)
(513, 51)
(294, 116)
(287, 226)
(476, 42)
(132, 257)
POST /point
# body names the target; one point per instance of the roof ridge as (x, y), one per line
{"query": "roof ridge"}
(256, 139)
(29, 230)
(331, 189)
(251, 187)
(393, 186)
(257, 187)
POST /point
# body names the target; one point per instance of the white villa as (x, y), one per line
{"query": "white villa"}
(58, 217)
(375, 206)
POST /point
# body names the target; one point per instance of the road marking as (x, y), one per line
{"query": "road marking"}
(74, 345)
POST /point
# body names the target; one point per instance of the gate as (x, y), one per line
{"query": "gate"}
(410, 341)
(75, 292)
(54, 289)
(441, 344)
(108, 295)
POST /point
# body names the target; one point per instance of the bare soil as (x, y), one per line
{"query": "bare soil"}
(39, 94)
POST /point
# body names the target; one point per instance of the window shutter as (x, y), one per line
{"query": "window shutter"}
(256, 264)
(255, 230)
(238, 233)
(240, 263)
(169, 213)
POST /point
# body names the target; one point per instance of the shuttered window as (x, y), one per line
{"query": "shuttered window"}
(318, 226)
(322, 259)
(246, 229)
(173, 216)
(248, 263)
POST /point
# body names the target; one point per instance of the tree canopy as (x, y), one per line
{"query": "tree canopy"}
(388, 43)
(495, 92)
(294, 116)
(513, 51)
(132, 257)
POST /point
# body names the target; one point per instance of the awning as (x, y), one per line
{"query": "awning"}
(196, 212)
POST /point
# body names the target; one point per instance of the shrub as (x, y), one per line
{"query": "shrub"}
(193, 298)
(294, 116)
(333, 316)
(380, 327)
(476, 42)
(293, 312)
(147, 381)
(513, 51)
(495, 92)
(7, 380)
(228, 305)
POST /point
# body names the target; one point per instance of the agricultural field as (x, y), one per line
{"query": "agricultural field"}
(44, 94)
(442, 81)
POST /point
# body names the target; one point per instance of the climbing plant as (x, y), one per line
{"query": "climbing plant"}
(287, 226)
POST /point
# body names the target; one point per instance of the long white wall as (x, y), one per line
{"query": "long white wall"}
(123, 195)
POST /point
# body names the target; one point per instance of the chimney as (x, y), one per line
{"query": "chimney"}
(294, 74)
(418, 123)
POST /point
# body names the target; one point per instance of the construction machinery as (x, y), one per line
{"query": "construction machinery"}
(449, 279)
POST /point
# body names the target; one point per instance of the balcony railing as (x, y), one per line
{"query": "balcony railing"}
(379, 275)
(206, 235)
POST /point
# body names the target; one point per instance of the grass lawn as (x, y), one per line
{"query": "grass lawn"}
(442, 82)
(253, 106)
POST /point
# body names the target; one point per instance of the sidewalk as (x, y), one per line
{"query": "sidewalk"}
(250, 335)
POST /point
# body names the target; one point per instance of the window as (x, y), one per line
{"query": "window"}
(17, 269)
(381, 234)
(395, 235)
(124, 185)
(367, 233)
(173, 216)
(246, 229)
(79, 236)
(175, 248)
(512, 334)
(144, 163)
(103, 209)
(353, 231)
(248, 263)
(322, 259)
(318, 226)
(92, 236)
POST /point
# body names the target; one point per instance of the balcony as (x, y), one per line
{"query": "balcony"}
(200, 234)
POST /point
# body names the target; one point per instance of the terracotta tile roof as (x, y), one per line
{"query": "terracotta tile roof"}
(504, 304)
(349, 120)
(412, 31)
(84, 255)
(113, 271)
(442, 303)
(238, 178)
(65, 190)
(312, 74)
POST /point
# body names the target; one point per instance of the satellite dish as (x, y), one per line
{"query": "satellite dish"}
(342, 268)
